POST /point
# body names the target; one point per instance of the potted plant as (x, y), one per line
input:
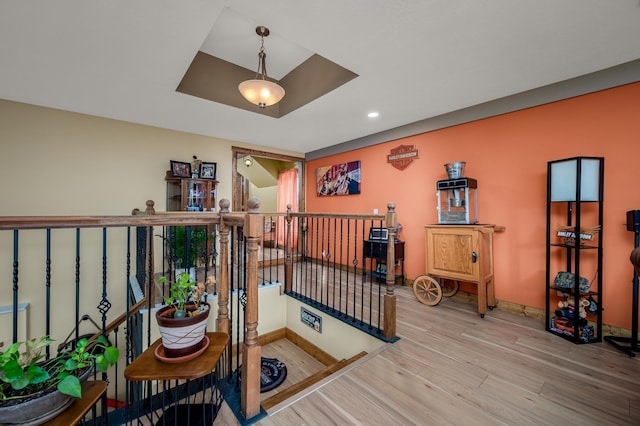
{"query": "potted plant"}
(183, 321)
(34, 389)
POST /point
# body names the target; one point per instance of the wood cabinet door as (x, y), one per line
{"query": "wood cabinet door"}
(450, 253)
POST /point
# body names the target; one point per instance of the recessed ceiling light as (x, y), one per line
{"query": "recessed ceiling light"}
(373, 114)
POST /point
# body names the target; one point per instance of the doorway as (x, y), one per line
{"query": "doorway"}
(255, 173)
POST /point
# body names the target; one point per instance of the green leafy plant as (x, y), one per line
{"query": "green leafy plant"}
(186, 291)
(186, 245)
(24, 373)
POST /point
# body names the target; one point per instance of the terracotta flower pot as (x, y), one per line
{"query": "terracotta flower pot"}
(181, 337)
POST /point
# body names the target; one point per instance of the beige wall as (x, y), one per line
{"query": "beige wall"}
(56, 162)
(268, 197)
(338, 339)
(60, 163)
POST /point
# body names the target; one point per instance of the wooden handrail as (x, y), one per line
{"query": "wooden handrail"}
(253, 226)
(362, 216)
(340, 215)
(159, 219)
(138, 218)
(390, 221)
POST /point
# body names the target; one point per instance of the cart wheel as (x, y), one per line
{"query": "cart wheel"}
(427, 290)
(449, 287)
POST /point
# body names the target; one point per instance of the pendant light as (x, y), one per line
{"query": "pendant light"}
(261, 91)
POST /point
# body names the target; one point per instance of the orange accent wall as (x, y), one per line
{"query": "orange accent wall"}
(508, 155)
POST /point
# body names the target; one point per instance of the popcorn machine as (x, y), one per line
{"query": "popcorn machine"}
(457, 196)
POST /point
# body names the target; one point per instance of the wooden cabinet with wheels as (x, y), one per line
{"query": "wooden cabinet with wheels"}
(461, 253)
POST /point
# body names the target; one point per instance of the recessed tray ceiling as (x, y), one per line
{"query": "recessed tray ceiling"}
(215, 79)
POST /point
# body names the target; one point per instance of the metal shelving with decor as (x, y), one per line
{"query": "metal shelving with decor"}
(574, 248)
(375, 249)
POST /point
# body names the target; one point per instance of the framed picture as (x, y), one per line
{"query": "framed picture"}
(339, 179)
(208, 170)
(180, 169)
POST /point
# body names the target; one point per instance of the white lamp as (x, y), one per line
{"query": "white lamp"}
(564, 179)
(261, 91)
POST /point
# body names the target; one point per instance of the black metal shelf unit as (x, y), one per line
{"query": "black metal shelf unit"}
(573, 301)
(376, 252)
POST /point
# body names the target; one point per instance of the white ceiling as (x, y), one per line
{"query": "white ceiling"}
(415, 59)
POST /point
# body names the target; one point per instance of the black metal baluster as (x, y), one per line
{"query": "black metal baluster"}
(15, 285)
(47, 285)
(77, 283)
(353, 262)
(363, 284)
(341, 256)
(104, 306)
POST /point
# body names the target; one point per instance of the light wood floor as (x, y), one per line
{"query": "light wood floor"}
(452, 367)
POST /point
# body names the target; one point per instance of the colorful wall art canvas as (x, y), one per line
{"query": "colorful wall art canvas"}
(340, 179)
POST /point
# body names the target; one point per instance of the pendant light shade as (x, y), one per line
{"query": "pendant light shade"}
(261, 91)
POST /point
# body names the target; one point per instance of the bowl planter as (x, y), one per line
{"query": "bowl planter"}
(34, 390)
(39, 408)
(182, 337)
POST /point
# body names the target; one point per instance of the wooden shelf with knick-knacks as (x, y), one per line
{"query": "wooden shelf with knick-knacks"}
(190, 194)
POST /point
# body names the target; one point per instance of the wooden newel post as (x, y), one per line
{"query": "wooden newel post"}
(251, 362)
(222, 323)
(149, 210)
(288, 259)
(391, 219)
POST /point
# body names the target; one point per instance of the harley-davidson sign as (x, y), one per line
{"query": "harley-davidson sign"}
(402, 156)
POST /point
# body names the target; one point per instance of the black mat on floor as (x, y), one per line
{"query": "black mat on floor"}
(272, 374)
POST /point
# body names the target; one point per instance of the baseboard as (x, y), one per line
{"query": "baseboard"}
(272, 336)
(322, 356)
(536, 313)
(284, 333)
